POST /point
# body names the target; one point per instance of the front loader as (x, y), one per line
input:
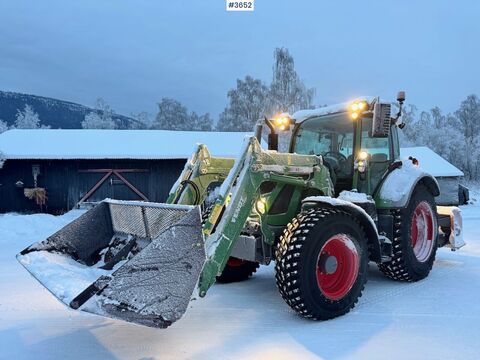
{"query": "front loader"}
(340, 197)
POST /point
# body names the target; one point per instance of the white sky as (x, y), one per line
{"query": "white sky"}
(133, 53)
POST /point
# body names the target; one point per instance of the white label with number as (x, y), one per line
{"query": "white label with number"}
(240, 5)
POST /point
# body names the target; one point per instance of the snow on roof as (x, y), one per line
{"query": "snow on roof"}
(302, 115)
(115, 144)
(430, 161)
(155, 144)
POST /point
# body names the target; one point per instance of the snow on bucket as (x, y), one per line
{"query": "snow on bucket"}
(135, 261)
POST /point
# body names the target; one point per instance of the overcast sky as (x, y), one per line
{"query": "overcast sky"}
(133, 53)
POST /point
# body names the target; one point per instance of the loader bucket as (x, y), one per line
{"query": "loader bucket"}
(135, 261)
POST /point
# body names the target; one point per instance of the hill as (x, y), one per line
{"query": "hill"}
(54, 112)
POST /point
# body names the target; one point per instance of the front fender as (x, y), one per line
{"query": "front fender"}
(358, 213)
(396, 190)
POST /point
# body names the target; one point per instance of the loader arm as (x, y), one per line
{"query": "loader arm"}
(143, 262)
(200, 171)
(239, 193)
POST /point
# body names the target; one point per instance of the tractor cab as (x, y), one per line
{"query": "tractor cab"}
(357, 141)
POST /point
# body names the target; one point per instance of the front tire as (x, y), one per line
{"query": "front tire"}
(415, 239)
(321, 263)
(237, 270)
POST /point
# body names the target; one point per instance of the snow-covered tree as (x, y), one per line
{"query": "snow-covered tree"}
(287, 92)
(28, 119)
(101, 118)
(201, 122)
(247, 104)
(444, 134)
(205, 123)
(3, 126)
(172, 115)
(142, 121)
(468, 116)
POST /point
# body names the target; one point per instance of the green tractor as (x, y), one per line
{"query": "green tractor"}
(338, 199)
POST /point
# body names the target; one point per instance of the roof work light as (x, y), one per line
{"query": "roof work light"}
(357, 107)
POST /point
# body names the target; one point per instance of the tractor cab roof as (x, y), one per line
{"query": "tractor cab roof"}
(303, 115)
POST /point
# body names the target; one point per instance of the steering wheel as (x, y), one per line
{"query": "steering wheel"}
(336, 155)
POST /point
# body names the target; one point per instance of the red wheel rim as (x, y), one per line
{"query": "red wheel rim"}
(234, 262)
(421, 231)
(337, 267)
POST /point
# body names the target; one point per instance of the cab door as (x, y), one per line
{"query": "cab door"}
(380, 153)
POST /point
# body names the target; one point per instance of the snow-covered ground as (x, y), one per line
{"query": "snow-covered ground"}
(438, 318)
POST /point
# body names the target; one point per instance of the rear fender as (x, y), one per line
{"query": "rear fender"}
(397, 189)
(358, 213)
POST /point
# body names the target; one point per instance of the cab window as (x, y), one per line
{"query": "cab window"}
(377, 148)
(332, 137)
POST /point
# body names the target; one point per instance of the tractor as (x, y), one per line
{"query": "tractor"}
(339, 198)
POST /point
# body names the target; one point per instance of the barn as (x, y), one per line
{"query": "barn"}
(78, 167)
(448, 176)
(83, 166)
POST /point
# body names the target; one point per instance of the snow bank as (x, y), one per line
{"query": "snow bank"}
(437, 318)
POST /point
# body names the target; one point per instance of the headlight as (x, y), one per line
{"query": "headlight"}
(361, 166)
(361, 161)
(362, 155)
(261, 206)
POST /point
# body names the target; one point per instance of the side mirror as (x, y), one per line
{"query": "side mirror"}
(381, 120)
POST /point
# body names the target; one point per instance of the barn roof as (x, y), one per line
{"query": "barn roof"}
(115, 144)
(431, 162)
(154, 144)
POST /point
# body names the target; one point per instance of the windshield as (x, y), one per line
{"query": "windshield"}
(326, 135)
(332, 137)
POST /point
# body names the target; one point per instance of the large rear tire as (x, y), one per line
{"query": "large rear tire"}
(321, 263)
(415, 238)
(237, 270)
